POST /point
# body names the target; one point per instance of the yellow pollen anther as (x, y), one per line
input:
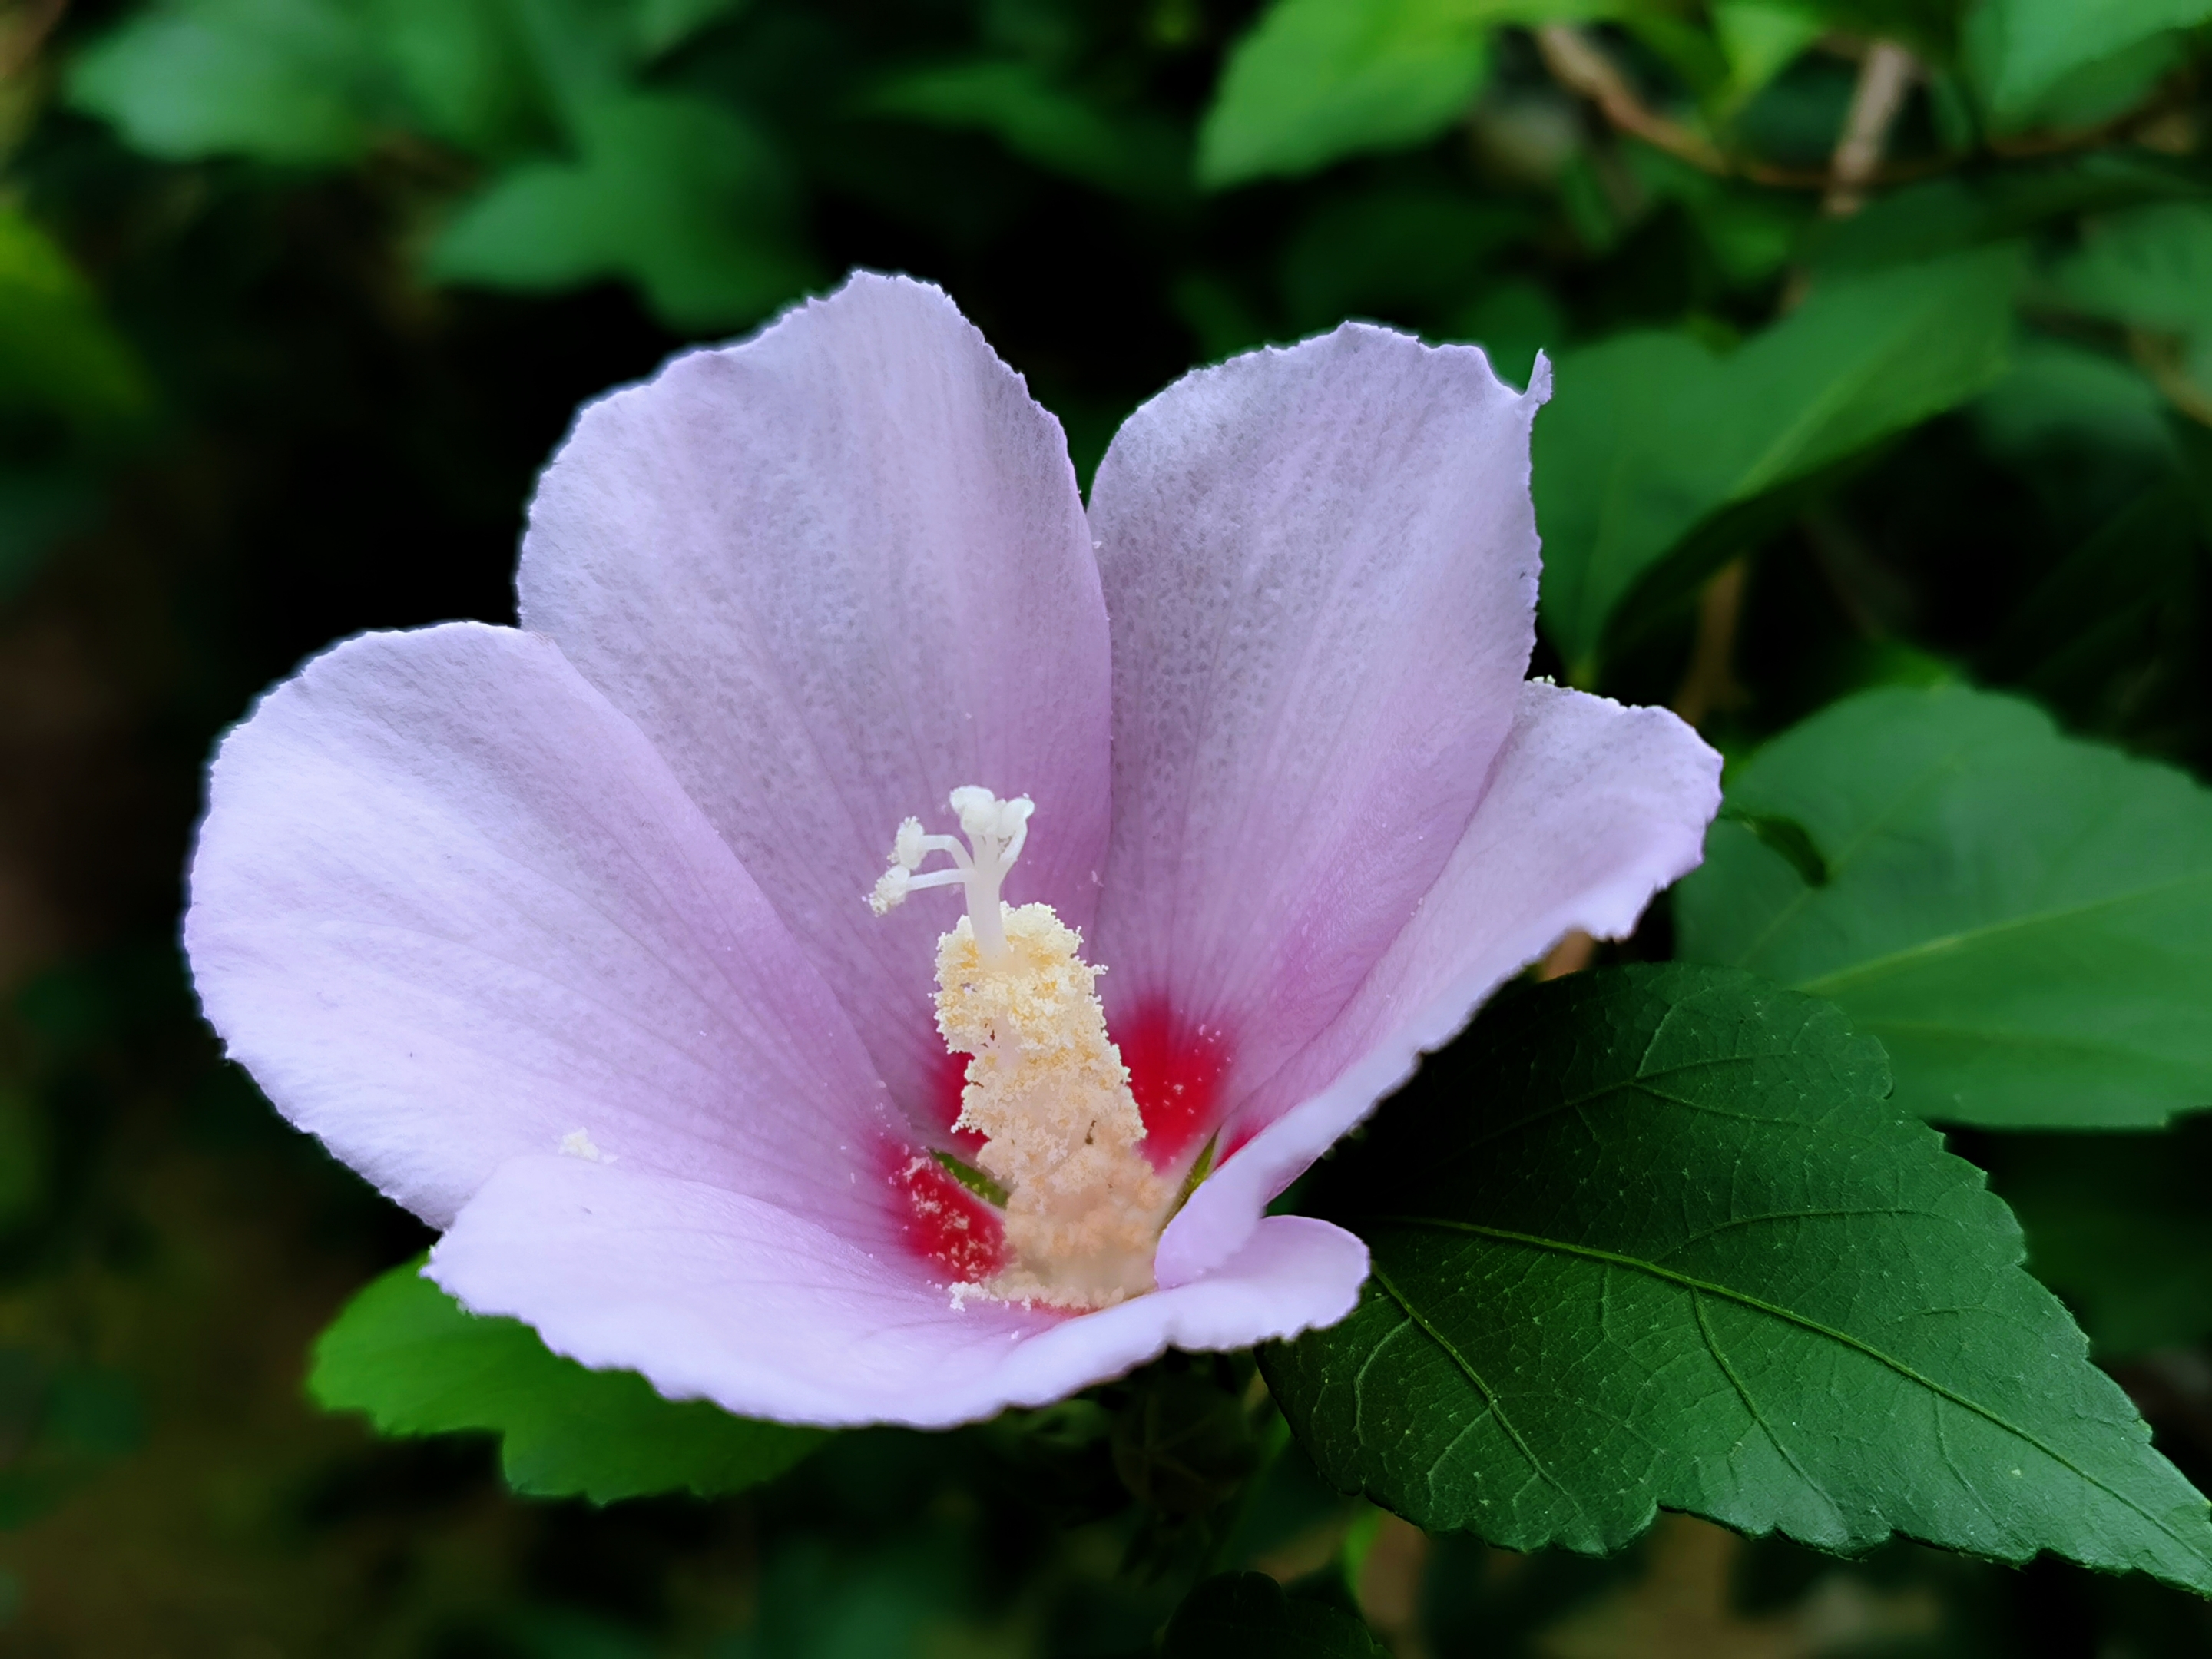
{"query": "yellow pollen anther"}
(1083, 1206)
(1045, 1085)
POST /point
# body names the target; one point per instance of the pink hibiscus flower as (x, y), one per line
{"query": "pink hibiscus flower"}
(557, 935)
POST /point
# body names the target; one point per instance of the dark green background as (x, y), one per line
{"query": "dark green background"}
(284, 400)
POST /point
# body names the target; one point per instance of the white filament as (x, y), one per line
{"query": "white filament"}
(995, 830)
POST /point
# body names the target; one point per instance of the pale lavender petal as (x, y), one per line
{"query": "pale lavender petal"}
(448, 906)
(1595, 808)
(768, 1312)
(835, 572)
(1321, 565)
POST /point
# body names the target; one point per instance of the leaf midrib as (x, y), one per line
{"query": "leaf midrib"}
(1741, 1298)
(1874, 967)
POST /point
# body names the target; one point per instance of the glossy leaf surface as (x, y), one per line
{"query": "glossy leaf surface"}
(2022, 48)
(283, 80)
(1651, 435)
(1655, 1237)
(404, 1352)
(675, 193)
(1319, 79)
(2024, 920)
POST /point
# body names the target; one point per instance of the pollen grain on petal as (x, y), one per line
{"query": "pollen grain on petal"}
(943, 1223)
(1177, 1071)
(578, 1143)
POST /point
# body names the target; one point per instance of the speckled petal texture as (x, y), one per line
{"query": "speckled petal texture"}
(1321, 565)
(1592, 810)
(835, 572)
(770, 1312)
(448, 906)
(465, 892)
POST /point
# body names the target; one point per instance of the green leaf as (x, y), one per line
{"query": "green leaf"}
(2117, 1226)
(2151, 266)
(676, 195)
(1246, 1615)
(56, 351)
(2058, 397)
(1653, 1236)
(292, 82)
(1955, 212)
(466, 72)
(2021, 50)
(1787, 837)
(403, 1351)
(1042, 123)
(1652, 437)
(1760, 39)
(2024, 920)
(660, 25)
(1318, 79)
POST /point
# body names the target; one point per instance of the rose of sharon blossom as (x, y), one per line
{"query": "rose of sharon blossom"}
(1228, 798)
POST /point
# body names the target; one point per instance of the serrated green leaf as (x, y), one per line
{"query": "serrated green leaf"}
(403, 1351)
(1318, 79)
(676, 195)
(293, 82)
(2021, 50)
(1246, 1615)
(1653, 1238)
(2024, 920)
(1652, 438)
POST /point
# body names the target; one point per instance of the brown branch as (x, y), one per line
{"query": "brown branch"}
(1709, 684)
(27, 30)
(1579, 64)
(2158, 355)
(1571, 955)
(1886, 75)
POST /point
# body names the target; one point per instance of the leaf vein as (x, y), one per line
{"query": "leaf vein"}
(1785, 1315)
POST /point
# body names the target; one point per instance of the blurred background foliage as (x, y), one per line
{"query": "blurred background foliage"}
(1882, 332)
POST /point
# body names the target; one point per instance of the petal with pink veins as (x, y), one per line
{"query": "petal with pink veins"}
(1321, 565)
(835, 572)
(1595, 807)
(448, 906)
(774, 1311)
